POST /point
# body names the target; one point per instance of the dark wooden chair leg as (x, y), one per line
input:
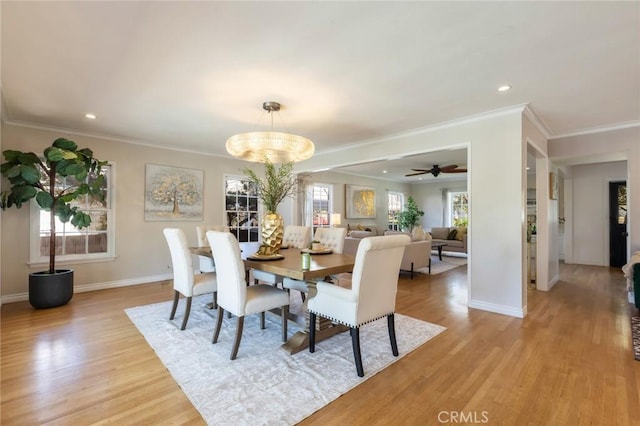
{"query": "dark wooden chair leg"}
(429, 265)
(285, 316)
(262, 326)
(391, 324)
(186, 314)
(312, 332)
(216, 333)
(236, 343)
(215, 299)
(355, 341)
(302, 296)
(411, 270)
(176, 297)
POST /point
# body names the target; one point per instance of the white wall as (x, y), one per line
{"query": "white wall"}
(622, 144)
(142, 253)
(382, 188)
(429, 196)
(497, 197)
(590, 213)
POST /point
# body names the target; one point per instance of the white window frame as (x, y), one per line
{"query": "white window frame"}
(310, 204)
(37, 259)
(450, 196)
(260, 211)
(392, 222)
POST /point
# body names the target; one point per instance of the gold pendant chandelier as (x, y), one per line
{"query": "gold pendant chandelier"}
(277, 147)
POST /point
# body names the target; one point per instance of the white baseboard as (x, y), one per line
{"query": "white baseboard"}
(21, 297)
(553, 281)
(498, 309)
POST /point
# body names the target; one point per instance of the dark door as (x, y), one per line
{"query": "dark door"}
(617, 223)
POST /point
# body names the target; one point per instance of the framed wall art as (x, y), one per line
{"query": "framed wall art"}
(553, 186)
(173, 193)
(360, 202)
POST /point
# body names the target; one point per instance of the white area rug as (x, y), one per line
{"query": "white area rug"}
(265, 385)
(446, 264)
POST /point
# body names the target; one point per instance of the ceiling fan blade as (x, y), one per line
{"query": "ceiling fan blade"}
(455, 171)
(450, 166)
(416, 174)
(421, 170)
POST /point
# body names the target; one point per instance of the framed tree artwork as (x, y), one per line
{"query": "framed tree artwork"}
(173, 193)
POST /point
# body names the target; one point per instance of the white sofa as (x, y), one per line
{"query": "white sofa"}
(417, 254)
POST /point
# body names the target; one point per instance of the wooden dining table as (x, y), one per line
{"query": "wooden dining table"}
(321, 268)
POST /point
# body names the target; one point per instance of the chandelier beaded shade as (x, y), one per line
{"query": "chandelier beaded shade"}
(277, 147)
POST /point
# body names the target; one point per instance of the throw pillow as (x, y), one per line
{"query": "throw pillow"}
(461, 231)
(417, 234)
(452, 234)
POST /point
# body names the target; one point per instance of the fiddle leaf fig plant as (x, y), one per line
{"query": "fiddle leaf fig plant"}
(55, 180)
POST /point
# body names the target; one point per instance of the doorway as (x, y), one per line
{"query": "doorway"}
(618, 223)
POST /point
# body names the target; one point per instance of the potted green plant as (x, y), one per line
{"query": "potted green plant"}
(55, 180)
(410, 216)
(277, 184)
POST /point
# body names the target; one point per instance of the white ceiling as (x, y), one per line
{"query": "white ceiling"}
(190, 74)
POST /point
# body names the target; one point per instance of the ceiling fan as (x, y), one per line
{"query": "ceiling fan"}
(436, 170)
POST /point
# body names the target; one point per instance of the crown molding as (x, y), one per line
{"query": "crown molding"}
(431, 128)
(109, 138)
(537, 121)
(594, 130)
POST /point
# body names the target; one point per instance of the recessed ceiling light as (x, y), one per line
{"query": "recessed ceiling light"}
(384, 171)
(504, 88)
(419, 178)
(90, 116)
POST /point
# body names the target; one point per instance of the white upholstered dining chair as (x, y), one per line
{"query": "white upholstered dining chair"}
(235, 296)
(332, 238)
(185, 282)
(294, 236)
(372, 294)
(206, 263)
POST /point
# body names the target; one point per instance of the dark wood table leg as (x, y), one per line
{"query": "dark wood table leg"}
(324, 328)
(440, 252)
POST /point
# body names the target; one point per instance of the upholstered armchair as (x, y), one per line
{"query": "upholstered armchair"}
(185, 282)
(235, 296)
(332, 238)
(206, 263)
(295, 237)
(372, 294)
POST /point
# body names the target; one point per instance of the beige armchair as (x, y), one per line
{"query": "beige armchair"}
(417, 254)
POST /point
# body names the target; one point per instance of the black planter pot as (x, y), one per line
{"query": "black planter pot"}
(50, 290)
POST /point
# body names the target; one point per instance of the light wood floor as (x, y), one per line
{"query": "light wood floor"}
(568, 363)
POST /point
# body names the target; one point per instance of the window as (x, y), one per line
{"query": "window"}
(319, 205)
(395, 201)
(73, 244)
(241, 209)
(459, 208)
